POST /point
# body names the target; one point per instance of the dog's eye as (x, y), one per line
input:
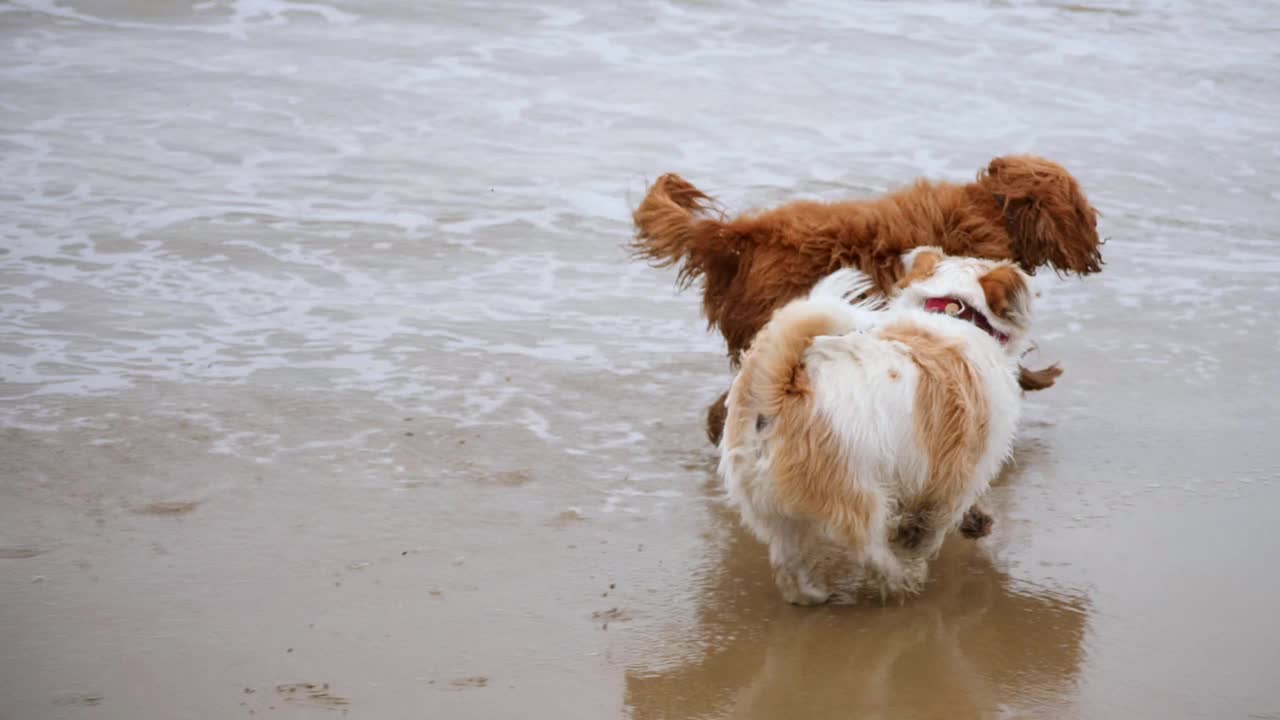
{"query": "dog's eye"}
(761, 422)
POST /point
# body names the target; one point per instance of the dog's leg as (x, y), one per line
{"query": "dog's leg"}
(837, 571)
(716, 413)
(899, 571)
(791, 567)
(977, 523)
(916, 525)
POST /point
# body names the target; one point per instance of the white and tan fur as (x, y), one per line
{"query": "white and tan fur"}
(857, 437)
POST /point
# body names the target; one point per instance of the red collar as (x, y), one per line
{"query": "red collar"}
(958, 309)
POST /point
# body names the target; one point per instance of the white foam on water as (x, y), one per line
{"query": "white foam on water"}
(413, 203)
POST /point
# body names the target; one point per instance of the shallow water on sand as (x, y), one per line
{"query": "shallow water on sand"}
(327, 384)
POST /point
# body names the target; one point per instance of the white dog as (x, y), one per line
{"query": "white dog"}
(857, 437)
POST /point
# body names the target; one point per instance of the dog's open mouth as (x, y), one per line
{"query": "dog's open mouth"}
(959, 309)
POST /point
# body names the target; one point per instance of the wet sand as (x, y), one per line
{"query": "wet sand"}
(328, 387)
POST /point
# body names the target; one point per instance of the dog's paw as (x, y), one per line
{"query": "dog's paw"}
(976, 524)
(1038, 379)
(798, 590)
(802, 599)
(842, 597)
(911, 531)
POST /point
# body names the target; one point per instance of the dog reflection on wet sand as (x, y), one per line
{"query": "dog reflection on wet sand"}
(857, 437)
(978, 644)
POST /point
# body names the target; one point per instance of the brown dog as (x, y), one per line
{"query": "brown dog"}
(1021, 208)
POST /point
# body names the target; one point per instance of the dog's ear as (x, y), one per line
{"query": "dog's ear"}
(919, 264)
(1007, 293)
(1047, 215)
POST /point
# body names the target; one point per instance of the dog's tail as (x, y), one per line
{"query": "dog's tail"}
(837, 304)
(774, 393)
(671, 228)
(775, 362)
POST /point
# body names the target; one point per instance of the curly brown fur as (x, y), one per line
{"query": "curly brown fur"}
(1021, 208)
(1049, 220)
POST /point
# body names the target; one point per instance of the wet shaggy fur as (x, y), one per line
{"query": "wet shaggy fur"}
(855, 439)
(1020, 208)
